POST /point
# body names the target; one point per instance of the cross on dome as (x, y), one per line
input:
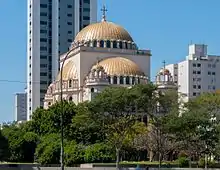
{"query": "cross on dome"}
(104, 10)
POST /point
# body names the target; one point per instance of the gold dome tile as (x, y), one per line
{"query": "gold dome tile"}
(103, 31)
(69, 71)
(120, 66)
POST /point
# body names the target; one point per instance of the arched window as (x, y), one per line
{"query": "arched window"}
(133, 80)
(49, 103)
(108, 44)
(94, 43)
(138, 80)
(114, 44)
(102, 43)
(120, 45)
(115, 80)
(70, 83)
(127, 80)
(92, 90)
(70, 98)
(109, 79)
(121, 80)
(126, 45)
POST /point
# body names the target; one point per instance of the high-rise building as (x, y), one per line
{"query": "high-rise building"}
(20, 107)
(198, 73)
(52, 26)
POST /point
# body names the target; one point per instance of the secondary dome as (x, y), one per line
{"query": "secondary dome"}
(103, 31)
(120, 66)
(69, 71)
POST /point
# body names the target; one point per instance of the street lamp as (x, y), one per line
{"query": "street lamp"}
(62, 106)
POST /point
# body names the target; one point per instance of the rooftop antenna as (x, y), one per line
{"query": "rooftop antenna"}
(104, 10)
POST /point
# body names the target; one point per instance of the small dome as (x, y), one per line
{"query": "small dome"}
(120, 66)
(164, 71)
(69, 71)
(103, 31)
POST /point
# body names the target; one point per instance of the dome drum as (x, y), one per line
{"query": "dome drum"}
(106, 35)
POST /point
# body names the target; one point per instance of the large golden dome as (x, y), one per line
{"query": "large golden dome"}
(103, 31)
(69, 71)
(120, 66)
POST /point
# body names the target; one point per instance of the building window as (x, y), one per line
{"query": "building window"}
(86, 18)
(69, 6)
(194, 72)
(92, 90)
(121, 80)
(86, 9)
(70, 32)
(43, 5)
(69, 15)
(115, 80)
(127, 80)
(209, 73)
(43, 65)
(43, 31)
(198, 72)
(198, 65)
(43, 22)
(43, 14)
(199, 86)
(43, 40)
(70, 98)
(69, 23)
(101, 43)
(194, 86)
(114, 44)
(194, 94)
(43, 48)
(213, 73)
(43, 57)
(194, 65)
(109, 79)
(70, 83)
(43, 74)
(108, 44)
(69, 40)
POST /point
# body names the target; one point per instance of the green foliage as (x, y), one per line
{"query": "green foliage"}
(74, 153)
(201, 163)
(99, 153)
(48, 150)
(3, 148)
(112, 123)
(183, 162)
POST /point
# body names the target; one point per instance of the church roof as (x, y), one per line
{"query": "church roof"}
(103, 30)
(69, 71)
(120, 66)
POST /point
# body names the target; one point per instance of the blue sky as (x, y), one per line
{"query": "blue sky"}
(164, 26)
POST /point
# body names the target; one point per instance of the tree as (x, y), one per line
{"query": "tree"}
(21, 144)
(48, 150)
(115, 108)
(85, 129)
(3, 148)
(48, 121)
(74, 153)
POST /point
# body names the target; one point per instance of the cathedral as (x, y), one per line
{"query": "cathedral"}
(102, 54)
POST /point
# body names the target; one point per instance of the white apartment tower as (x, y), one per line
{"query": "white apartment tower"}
(20, 107)
(52, 26)
(198, 73)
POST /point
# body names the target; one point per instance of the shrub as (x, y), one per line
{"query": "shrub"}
(183, 162)
(98, 152)
(201, 163)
